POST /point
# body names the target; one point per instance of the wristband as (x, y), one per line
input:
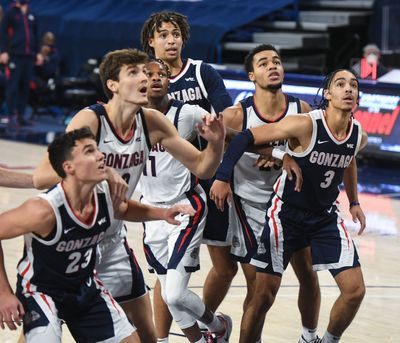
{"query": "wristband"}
(354, 203)
(278, 153)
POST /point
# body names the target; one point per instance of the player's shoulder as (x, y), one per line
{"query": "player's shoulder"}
(84, 117)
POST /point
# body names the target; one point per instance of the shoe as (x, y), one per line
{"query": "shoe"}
(223, 336)
(315, 340)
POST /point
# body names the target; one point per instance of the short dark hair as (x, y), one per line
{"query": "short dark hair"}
(113, 62)
(326, 83)
(60, 149)
(248, 60)
(155, 21)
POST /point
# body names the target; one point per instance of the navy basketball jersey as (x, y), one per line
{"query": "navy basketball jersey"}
(322, 164)
(165, 178)
(199, 84)
(251, 183)
(127, 156)
(65, 259)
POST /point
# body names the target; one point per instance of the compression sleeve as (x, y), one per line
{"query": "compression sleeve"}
(237, 147)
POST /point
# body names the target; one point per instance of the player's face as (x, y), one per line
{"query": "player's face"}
(87, 161)
(267, 70)
(157, 80)
(132, 84)
(343, 91)
(167, 42)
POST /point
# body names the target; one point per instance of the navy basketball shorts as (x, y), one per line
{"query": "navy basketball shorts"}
(119, 270)
(216, 231)
(91, 314)
(288, 229)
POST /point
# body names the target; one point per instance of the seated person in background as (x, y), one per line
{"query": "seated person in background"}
(51, 58)
(370, 67)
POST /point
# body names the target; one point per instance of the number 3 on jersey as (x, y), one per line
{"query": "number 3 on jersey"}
(329, 175)
(152, 160)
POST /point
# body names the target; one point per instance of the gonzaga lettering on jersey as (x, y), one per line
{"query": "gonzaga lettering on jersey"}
(127, 156)
(259, 181)
(199, 84)
(175, 178)
(323, 164)
(65, 260)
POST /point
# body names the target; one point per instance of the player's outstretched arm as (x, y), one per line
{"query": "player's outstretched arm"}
(10, 178)
(201, 163)
(135, 211)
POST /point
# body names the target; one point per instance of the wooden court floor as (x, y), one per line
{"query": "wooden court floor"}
(376, 321)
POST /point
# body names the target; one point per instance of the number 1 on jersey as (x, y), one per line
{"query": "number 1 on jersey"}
(152, 160)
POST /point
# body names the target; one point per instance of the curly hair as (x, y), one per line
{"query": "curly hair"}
(154, 23)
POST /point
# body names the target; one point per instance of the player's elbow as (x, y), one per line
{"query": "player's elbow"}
(39, 181)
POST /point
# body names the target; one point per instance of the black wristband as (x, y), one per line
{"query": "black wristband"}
(354, 203)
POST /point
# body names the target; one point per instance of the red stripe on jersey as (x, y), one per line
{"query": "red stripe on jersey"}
(45, 300)
(243, 222)
(277, 185)
(195, 221)
(276, 233)
(345, 232)
(28, 283)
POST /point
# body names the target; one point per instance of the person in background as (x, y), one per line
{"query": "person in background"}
(370, 66)
(19, 50)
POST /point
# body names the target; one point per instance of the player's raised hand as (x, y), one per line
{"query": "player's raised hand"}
(212, 129)
(172, 212)
(11, 310)
(220, 192)
(358, 215)
(291, 167)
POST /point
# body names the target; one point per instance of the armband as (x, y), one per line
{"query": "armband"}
(354, 203)
(278, 153)
(236, 148)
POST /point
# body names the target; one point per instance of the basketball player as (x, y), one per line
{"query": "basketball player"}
(173, 250)
(324, 143)
(164, 35)
(10, 178)
(252, 186)
(125, 132)
(61, 229)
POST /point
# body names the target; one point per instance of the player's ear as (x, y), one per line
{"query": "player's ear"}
(112, 85)
(327, 94)
(252, 78)
(151, 42)
(68, 168)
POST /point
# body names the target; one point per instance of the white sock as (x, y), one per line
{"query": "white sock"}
(162, 340)
(309, 334)
(329, 338)
(201, 340)
(215, 325)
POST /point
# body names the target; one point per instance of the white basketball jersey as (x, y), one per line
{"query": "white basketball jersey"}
(165, 178)
(251, 182)
(127, 156)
